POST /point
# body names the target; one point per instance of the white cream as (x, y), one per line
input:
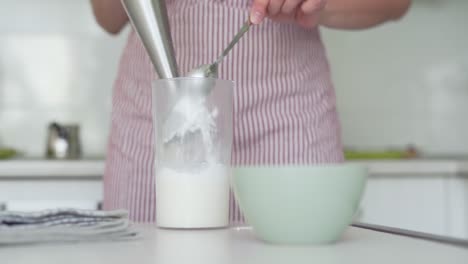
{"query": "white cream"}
(198, 199)
(192, 196)
(190, 115)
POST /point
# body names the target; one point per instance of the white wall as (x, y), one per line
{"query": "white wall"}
(401, 83)
(55, 64)
(406, 82)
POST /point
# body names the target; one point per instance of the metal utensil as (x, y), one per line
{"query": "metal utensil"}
(202, 87)
(149, 18)
(211, 70)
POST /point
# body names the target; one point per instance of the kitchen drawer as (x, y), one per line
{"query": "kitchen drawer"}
(50, 189)
(35, 205)
(458, 206)
(417, 203)
(31, 194)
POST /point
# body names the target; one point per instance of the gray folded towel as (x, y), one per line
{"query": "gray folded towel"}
(64, 225)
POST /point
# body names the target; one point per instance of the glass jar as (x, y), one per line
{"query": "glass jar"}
(193, 142)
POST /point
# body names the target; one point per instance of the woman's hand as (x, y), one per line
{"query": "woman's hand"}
(305, 13)
(340, 14)
(110, 15)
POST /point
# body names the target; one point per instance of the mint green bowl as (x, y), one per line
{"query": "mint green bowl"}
(299, 204)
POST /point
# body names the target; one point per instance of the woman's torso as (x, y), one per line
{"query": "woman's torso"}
(284, 102)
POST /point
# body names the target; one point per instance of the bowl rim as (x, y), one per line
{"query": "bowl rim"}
(302, 166)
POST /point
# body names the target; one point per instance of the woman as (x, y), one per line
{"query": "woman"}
(285, 108)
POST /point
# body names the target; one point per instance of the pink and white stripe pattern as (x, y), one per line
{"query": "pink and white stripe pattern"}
(284, 106)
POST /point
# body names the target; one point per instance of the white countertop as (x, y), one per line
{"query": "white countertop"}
(416, 166)
(95, 168)
(52, 168)
(236, 246)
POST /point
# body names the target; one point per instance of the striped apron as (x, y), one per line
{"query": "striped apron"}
(284, 101)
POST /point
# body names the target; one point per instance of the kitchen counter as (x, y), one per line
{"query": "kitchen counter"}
(417, 167)
(51, 168)
(95, 168)
(238, 245)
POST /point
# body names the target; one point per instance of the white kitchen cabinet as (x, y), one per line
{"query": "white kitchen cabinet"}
(36, 193)
(457, 206)
(409, 202)
(432, 203)
(35, 205)
(37, 185)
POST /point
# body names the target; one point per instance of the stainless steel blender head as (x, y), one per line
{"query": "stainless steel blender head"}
(149, 18)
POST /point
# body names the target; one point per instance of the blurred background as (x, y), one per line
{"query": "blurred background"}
(402, 91)
(399, 84)
(407, 82)
(55, 64)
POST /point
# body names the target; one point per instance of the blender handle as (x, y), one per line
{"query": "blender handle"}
(150, 20)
